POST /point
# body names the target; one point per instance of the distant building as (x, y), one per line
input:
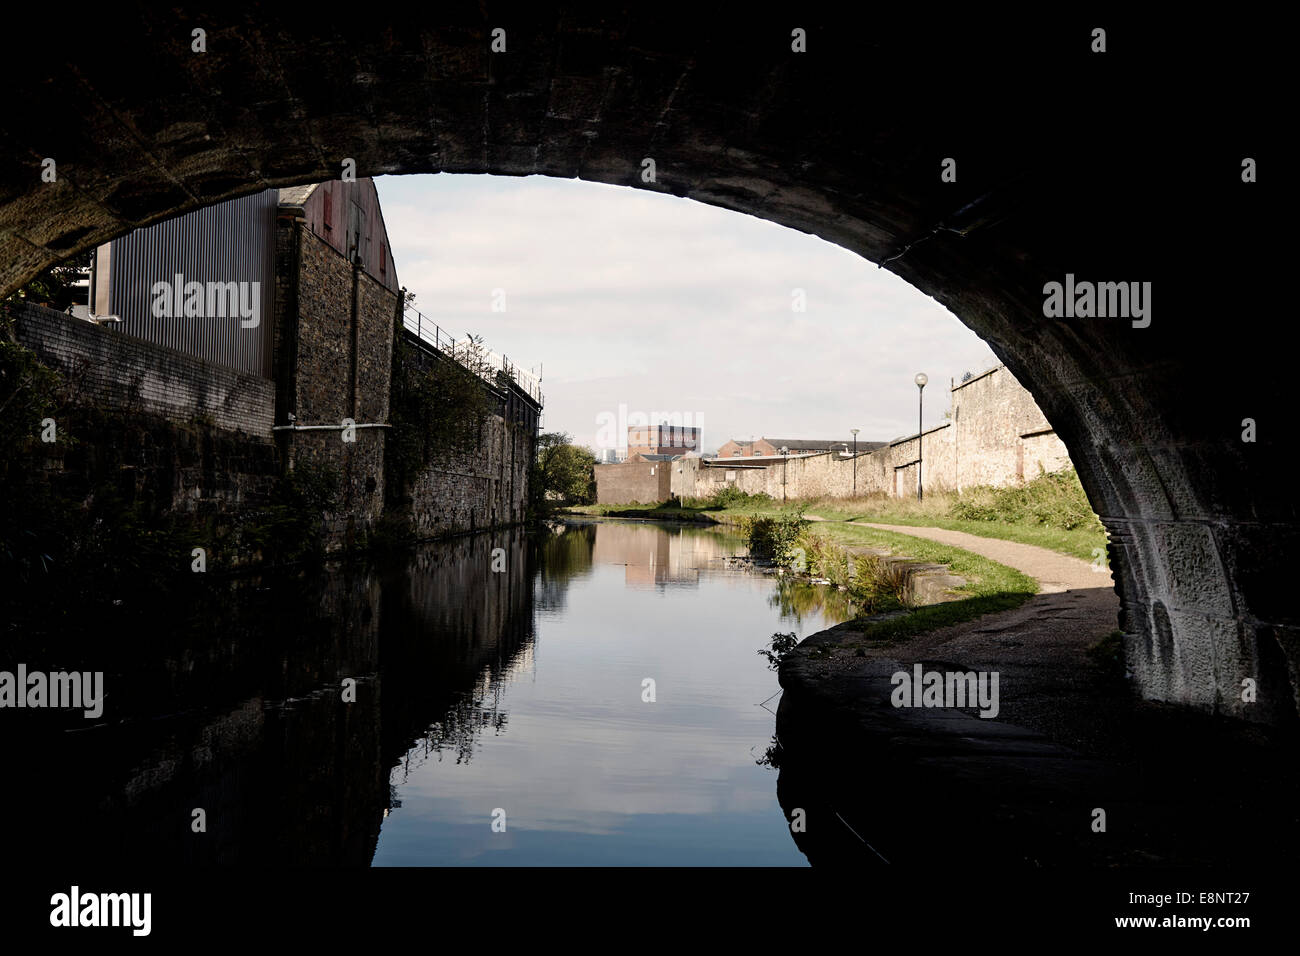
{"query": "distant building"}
(662, 440)
(764, 447)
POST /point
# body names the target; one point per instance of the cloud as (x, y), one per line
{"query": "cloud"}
(661, 303)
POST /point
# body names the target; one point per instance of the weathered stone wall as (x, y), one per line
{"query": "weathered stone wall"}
(1000, 434)
(997, 436)
(334, 350)
(487, 486)
(110, 370)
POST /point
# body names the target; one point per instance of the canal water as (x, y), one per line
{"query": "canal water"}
(586, 694)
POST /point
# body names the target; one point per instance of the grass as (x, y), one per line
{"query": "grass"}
(1078, 543)
(991, 587)
(1050, 511)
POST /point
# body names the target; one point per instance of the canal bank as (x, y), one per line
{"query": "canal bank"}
(1074, 769)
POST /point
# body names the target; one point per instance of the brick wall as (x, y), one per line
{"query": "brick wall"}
(112, 371)
(158, 430)
(635, 482)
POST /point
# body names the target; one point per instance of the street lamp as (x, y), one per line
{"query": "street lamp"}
(921, 379)
(855, 461)
(784, 462)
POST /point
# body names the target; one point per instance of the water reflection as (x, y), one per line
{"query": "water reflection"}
(519, 688)
(797, 600)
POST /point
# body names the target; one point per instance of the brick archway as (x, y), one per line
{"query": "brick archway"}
(1068, 162)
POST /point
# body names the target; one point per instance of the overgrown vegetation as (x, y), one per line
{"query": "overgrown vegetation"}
(729, 496)
(773, 537)
(55, 288)
(874, 585)
(780, 645)
(1054, 500)
(29, 394)
(290, 529)
(990, 587)
(435, 406)
(1050, 511)
(563, 474)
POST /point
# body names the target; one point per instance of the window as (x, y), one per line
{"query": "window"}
(328, 216)
(356, 234)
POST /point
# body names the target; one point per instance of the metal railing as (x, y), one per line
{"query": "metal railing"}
(470, 355)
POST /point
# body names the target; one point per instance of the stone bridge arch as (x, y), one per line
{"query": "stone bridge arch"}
(1123, 165)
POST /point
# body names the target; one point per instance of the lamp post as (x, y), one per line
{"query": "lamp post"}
(921, 379)
(784, 462)
(855, 461)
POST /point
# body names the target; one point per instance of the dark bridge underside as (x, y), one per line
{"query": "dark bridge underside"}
(1122, 166)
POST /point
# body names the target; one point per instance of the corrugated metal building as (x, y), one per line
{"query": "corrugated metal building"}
(204, 283)
(201, 283)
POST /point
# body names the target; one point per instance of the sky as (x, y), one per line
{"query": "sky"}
(632, 303)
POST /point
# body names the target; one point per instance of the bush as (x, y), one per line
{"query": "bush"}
(773, 538)
(780, 645)
(878, 584)
(729, 496)
(825, 559)
(1055, 500)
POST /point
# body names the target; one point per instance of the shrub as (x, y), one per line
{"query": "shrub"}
(1055, 500)
(826, 559)
(729, 496)
(773, 538)
(780, 645)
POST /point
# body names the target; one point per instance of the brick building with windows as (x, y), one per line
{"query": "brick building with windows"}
(669, 440)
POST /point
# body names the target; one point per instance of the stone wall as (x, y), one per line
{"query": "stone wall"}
(152, 430)
(486, 487)
(997, 436)
(112, 371)
(1001, 435)
(334, 334)
(636, 482)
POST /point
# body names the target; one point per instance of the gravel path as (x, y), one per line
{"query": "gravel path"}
(1054, 572)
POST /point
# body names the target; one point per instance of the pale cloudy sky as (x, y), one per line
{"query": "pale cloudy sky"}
(662, 304)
